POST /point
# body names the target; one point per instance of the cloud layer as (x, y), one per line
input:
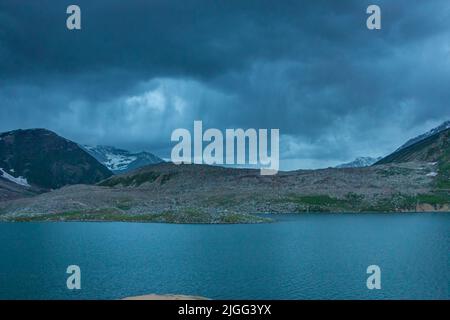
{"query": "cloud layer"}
(139, 69)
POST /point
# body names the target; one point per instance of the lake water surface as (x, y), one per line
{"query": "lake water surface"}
(308, 256)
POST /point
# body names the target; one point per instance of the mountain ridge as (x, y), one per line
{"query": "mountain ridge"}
(443, 126)
(429, 149)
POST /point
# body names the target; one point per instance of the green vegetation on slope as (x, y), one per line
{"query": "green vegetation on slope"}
(443, 178)
(358, 203)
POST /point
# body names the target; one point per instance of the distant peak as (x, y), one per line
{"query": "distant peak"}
(359, 162)
(120, 160)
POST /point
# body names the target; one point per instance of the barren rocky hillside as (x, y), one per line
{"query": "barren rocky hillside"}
(203, 193)
(10, 190)
(413, 179)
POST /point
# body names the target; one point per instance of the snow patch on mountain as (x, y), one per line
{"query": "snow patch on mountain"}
(359, 162)
(118, 162)
(19, 180)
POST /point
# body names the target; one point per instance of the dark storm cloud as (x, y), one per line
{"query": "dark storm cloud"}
(139, 69)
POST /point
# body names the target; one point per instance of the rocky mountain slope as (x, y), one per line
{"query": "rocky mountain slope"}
(119, 160)
(433, 149)
(430, 149)
(445, 125)
(40, 158)
(10, 190)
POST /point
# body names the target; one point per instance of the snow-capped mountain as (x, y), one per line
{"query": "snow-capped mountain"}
(442, 127)
(360, 162)
(119, 160)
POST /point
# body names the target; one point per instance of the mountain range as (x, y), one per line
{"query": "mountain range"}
(119, 160)
(414, 178)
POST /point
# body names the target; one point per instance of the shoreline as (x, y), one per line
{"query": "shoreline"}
(259, 218)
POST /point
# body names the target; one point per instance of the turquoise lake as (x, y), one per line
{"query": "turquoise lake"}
(308, 256)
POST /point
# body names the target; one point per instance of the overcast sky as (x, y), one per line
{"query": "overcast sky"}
(139, 69)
